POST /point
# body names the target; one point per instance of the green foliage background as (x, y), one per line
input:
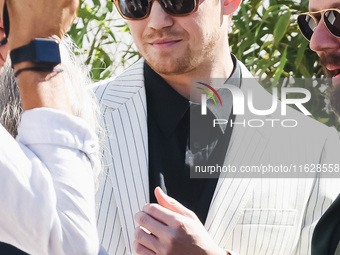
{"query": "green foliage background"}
(98, 32)
(264, 36)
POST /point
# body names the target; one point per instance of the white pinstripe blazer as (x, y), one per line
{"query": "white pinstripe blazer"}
(246, 215)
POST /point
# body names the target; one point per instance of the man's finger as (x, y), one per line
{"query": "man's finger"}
(147, 240)
(142, 250)
(154, 225)
(161, 214)
(172, 204)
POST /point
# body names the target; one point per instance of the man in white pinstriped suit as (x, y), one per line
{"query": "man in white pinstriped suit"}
(182, 40)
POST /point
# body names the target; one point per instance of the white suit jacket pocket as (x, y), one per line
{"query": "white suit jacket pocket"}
(269, 216)
(264, 231)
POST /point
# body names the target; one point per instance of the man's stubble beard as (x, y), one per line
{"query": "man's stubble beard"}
(168, 65)
(190, 61)
(333, 92)
(334, 97)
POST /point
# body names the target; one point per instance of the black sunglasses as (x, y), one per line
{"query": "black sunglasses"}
(140, 9)
(309, 21)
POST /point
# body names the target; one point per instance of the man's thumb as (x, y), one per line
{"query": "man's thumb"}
(171, 204)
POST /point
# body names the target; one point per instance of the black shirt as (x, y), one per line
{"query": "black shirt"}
(326, 235)
(170, 155)
(10, 250)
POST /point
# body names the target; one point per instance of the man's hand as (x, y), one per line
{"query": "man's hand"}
(38, 18)
(175, 230)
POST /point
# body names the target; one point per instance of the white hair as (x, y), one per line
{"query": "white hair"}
(82, 98)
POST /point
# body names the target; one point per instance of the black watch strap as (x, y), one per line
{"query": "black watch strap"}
(41, 51)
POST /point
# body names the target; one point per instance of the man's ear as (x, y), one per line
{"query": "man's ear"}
(230, 6)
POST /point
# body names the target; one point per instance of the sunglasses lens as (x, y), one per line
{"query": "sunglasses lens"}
(332, 20)
(178, 7)
(307, 25)
(139, 9)
(134, 9)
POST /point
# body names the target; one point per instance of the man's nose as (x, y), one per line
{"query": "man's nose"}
(323, 40)
(158, 18)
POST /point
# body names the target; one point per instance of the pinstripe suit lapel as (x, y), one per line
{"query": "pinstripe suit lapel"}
(232, 193)
(247, 148)
(127, 145)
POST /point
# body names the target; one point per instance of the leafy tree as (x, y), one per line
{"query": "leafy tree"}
(95, 32)
(267, 40)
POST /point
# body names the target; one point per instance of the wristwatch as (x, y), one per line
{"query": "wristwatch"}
(40, 50)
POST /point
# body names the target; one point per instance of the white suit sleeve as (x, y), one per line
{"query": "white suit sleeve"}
(47, 186)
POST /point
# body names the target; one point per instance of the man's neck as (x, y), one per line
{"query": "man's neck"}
(217, 69)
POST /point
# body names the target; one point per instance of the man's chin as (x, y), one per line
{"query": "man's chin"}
(168, 66)
(333, 77)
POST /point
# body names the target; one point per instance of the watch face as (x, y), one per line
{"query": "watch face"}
(47, 51)
(40, 50)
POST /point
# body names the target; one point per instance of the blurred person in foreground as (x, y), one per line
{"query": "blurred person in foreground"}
(147, 111)
(321, 26)
(83, 103)
(47, 173)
